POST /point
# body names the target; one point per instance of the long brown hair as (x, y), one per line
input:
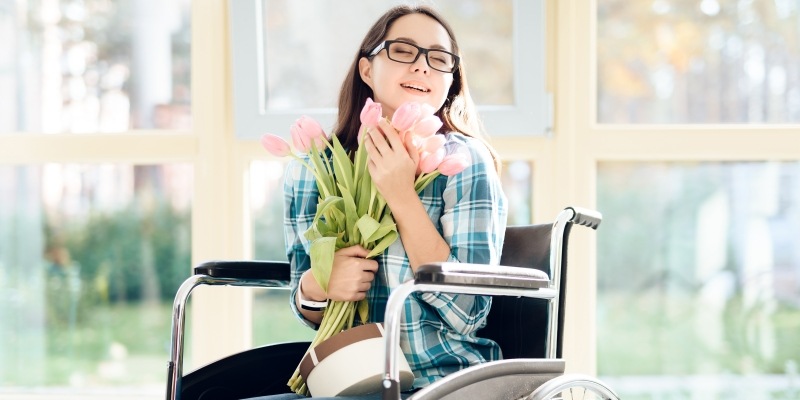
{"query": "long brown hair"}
(458, 114)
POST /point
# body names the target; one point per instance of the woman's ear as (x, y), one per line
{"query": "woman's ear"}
(365, 70)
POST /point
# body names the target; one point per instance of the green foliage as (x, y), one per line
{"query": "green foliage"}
(131, 254)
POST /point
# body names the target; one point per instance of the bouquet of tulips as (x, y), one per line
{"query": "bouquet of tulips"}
(350, 209)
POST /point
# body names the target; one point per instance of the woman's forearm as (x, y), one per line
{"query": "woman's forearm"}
(422, 242)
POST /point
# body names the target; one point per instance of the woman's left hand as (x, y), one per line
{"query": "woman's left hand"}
(393, 161)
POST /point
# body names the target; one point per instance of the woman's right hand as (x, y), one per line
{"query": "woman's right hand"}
(351, 276)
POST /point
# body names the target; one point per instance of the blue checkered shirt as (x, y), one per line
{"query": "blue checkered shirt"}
(469, 210)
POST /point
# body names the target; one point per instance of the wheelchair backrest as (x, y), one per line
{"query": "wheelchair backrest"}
(519, 324)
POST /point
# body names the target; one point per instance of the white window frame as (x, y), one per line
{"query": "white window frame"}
(530, 113)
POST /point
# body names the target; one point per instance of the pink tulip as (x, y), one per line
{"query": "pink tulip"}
(433, 143)
(425, 110)
(405, 116)
(275, 145)
(305, 131)
(453, 164)
(427, 126)
(371, 113)
(430, 161)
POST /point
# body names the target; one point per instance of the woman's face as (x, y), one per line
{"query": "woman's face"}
(394, 83)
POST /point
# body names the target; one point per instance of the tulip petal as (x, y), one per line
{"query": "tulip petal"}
(427, 126)
(406, 115)
(371, 113)
(433, 143)
(431, 161)
(306, 131)
(453, 164)
(426, 110)
(275, 145)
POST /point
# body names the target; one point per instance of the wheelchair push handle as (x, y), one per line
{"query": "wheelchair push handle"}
(586, 217)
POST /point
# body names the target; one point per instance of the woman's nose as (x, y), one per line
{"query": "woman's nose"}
(421, 64)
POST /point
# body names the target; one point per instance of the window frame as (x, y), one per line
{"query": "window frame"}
(529, 115)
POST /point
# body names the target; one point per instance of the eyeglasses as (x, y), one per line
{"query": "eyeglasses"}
(407, 53)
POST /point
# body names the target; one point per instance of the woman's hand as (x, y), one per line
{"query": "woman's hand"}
(351, 275)
(392, 162)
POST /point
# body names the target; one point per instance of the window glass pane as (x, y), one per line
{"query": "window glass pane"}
(94, 65)
(90, 259)
(297, 37)
(266, 200)
(518, 187)
(698, 61)
(699, 274)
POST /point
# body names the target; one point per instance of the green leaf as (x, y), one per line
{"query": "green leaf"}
(322, 251)
(363, 310)
(362, 180)
(330, 201)
(383, 244)
(360, 166)
(387, 225)
(324, 179)
(367, 226)
(342, 166)
(335, 219)
(351, 215)
(311, 234)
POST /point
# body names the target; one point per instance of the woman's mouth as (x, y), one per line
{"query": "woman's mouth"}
(418, 88)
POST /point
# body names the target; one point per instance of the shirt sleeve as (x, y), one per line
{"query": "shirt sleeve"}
(298, 192)
(473, 224)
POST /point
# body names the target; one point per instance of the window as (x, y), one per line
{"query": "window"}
(95, 214)
(696, 166)
(94, 66)
(90, 259)
(290, 59)
(701, 275)
(706, 61)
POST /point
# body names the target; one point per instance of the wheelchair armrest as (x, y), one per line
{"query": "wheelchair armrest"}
(483, 275)
(586, 217)
(246, 270)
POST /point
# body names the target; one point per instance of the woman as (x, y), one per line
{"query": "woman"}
(409, 54)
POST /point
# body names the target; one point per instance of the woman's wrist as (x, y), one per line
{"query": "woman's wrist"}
(312, 295)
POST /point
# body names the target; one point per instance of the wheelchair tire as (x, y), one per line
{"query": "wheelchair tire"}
(573, 387)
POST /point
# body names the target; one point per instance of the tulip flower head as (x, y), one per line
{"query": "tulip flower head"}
(275, 145)
(453, 164)
(306, 131)
(405, 116)
(371, 114)
(427, 126)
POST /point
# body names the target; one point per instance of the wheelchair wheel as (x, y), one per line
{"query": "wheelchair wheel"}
(573, 387)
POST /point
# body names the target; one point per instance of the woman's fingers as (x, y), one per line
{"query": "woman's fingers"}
(378, 141)
(390, 134)
(352, 274)
(353, 251)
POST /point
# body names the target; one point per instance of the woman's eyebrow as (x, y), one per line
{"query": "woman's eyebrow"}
(412, 41)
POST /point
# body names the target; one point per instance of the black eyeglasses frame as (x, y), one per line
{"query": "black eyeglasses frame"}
(420, 50)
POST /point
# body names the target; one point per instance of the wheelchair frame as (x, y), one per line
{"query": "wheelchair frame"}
(460, 278)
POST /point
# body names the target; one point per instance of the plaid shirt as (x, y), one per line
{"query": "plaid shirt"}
(469, 211)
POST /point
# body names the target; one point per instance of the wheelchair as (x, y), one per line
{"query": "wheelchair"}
(526, 320)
